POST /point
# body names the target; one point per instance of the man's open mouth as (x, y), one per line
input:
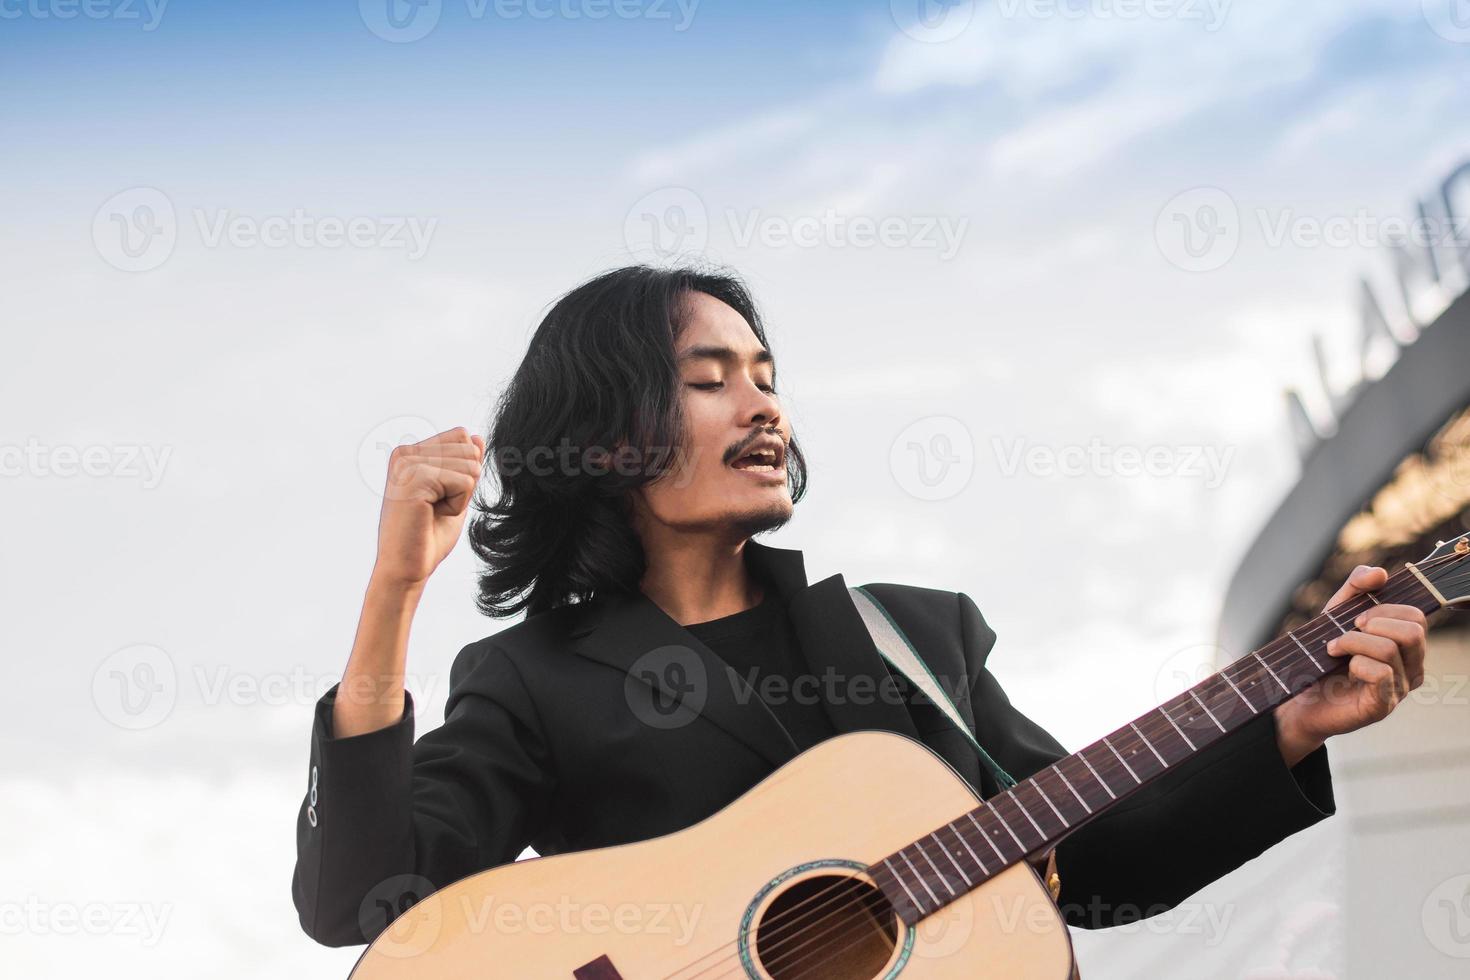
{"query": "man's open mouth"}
(763, 461)
(765, 455)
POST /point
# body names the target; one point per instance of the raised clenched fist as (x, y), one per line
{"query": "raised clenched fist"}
(425, 500)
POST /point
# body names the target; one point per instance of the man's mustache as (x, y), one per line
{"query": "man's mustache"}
(735, 452)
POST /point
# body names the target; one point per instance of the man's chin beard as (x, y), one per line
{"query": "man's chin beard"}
(747, 523)
(759, 521)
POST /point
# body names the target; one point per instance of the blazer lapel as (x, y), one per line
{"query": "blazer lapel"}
(632, 634)
(857, 689)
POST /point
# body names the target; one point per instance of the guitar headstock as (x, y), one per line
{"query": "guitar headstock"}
(1448, 568)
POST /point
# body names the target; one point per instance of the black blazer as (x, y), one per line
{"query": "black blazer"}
(557, 735)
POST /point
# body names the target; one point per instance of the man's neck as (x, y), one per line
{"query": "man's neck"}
(694, 579)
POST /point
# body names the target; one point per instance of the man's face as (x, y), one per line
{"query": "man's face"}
(730, 410)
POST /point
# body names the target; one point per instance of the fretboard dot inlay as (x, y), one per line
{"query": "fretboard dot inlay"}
(1086, 783)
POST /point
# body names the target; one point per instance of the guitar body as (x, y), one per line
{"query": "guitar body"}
(771, 887)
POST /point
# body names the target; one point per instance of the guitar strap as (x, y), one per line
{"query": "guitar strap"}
(895, 647)
(899, 652)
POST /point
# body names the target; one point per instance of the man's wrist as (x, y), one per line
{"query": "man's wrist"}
(1294, 744)
(393, 590)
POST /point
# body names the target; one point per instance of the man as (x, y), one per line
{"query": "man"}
(639, 447)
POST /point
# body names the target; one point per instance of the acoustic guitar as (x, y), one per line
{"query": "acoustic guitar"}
(864, 857)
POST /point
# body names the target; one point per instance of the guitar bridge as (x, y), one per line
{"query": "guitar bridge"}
(598, 969)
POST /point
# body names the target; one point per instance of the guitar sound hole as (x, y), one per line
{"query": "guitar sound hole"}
(828, 926)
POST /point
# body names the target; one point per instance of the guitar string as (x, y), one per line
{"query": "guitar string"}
(1311, 635)
(1115, 769)
(816, 942)
(812, 943)
(1112, 770)
(1287, 654)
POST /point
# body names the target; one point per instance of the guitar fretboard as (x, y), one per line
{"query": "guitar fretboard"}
(1036, 814)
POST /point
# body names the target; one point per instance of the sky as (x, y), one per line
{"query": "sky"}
(1005, 252)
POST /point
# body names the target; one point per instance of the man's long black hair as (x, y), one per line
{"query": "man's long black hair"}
(599, 373)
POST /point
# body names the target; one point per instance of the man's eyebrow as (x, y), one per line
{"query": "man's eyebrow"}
(720, 353)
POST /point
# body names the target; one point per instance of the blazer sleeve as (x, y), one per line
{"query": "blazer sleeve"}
(386, 820)
(1187, 828)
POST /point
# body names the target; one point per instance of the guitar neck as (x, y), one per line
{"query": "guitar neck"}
(1036, 814)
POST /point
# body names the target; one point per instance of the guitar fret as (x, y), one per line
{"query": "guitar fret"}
(1271, 672)
(1187, 741)
(1237, 692)
(973, 856)
(1373, 597)
(1149, 744)
(1072, 788)
(1037, 784)
(918, 877)
(1121, 759)
(986, 838)
(1096, 776)
(1305, 650)
(1024, 812)
(914, 896)
(1207, 710)
(1004, 823)
(899, 878)
(937, 873)
(945, 851)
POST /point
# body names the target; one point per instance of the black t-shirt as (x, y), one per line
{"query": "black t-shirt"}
(761, 646)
